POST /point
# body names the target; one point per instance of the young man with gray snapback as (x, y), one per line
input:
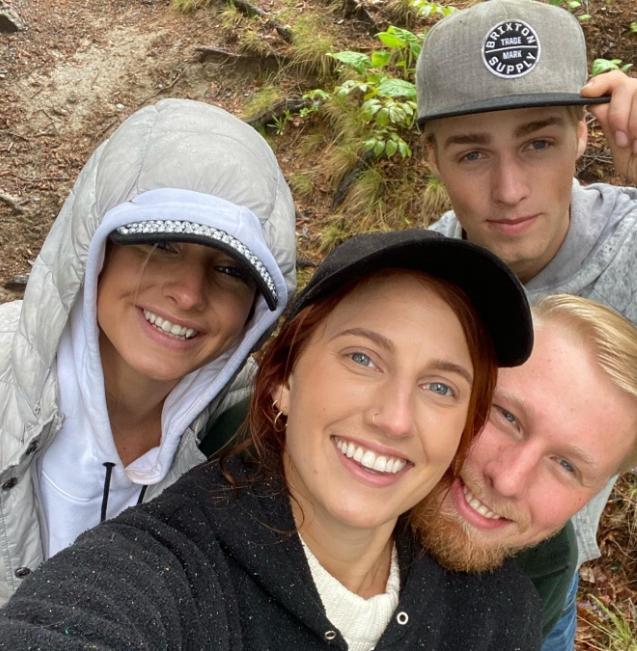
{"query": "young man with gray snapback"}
(500, 99)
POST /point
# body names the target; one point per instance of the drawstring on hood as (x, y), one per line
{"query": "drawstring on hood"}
(107, 485)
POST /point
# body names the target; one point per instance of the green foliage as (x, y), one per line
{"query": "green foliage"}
(189, 5)
(301, 184)
(333, 234)
(404, 48)
(379, 92)
(313, 39)
(425, 9)
(633, 27)
(604, 65)
(261, 101)
(617, 625)
(573, 6)
(315, 98)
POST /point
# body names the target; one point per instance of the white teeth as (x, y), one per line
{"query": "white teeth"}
(478, 506)
(380, 464)
(369, 459)
(168, 327)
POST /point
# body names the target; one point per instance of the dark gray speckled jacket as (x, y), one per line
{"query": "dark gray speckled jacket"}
(207, 567)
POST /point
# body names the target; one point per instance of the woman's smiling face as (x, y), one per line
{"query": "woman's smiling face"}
(165, 311)
(376, 403)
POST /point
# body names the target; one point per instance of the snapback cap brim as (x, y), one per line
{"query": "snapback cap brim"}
(516, 101)
(215, 238)
(495, 292)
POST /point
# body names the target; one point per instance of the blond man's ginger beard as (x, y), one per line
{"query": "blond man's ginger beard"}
(447, 537)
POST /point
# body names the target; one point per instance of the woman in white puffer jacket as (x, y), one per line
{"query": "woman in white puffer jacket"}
(169, 262)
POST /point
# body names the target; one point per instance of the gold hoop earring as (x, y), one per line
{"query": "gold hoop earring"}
(279, 414)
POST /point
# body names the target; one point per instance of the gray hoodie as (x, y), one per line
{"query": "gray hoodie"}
(597, 260)
(168, 157)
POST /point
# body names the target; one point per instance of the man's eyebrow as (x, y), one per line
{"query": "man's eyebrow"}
(479, 138)
(536, 125)
(573, 451)
(387, 344)
(512, 402)
(518, 406)
(467, 139)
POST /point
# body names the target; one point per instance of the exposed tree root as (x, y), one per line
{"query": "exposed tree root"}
(349, 178)
(279, 111)
(356, 9)
(12, 201)
(225, 56)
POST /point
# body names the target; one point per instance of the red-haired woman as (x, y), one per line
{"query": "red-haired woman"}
(307, 537)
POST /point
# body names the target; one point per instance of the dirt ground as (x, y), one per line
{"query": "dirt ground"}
(65, 83)
(82, 66)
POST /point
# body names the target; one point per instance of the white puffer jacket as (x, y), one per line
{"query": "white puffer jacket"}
(176, 144)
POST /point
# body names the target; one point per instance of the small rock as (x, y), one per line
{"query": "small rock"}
(120, 107)
(17, 283)
(10, 21)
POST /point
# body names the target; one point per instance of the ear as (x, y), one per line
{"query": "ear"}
(281, 395)
(582, 137)
(432, 158)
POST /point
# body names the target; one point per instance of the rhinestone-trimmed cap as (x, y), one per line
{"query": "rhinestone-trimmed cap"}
(156, 230)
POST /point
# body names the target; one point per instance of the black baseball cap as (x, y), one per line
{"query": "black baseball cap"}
(493, 289)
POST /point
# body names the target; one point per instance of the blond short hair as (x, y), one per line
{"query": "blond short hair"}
(611, 337)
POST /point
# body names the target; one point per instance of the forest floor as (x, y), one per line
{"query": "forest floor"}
(82, 66)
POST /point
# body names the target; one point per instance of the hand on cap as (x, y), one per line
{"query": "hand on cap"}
(618, 118)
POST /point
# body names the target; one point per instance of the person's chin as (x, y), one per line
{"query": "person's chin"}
(451, 543)
(454, 543)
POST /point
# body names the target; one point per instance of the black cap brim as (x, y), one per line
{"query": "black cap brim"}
(509, 102)
(235, 249)
(496, 293)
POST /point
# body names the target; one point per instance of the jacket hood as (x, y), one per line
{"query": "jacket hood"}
(175, 145)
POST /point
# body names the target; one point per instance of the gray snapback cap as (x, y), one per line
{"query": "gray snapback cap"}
(502, 54)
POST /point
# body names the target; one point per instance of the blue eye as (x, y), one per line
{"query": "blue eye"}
(441, 389)
(567, 466)
(508, 416)
(540, 145)
(472, 156)
(361, 358)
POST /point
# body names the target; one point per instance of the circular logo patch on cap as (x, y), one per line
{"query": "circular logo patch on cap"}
(511, 49)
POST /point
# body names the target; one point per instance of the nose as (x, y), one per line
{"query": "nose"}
(392, 410)
(510, 470)
(187, 287)
(510, 182)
